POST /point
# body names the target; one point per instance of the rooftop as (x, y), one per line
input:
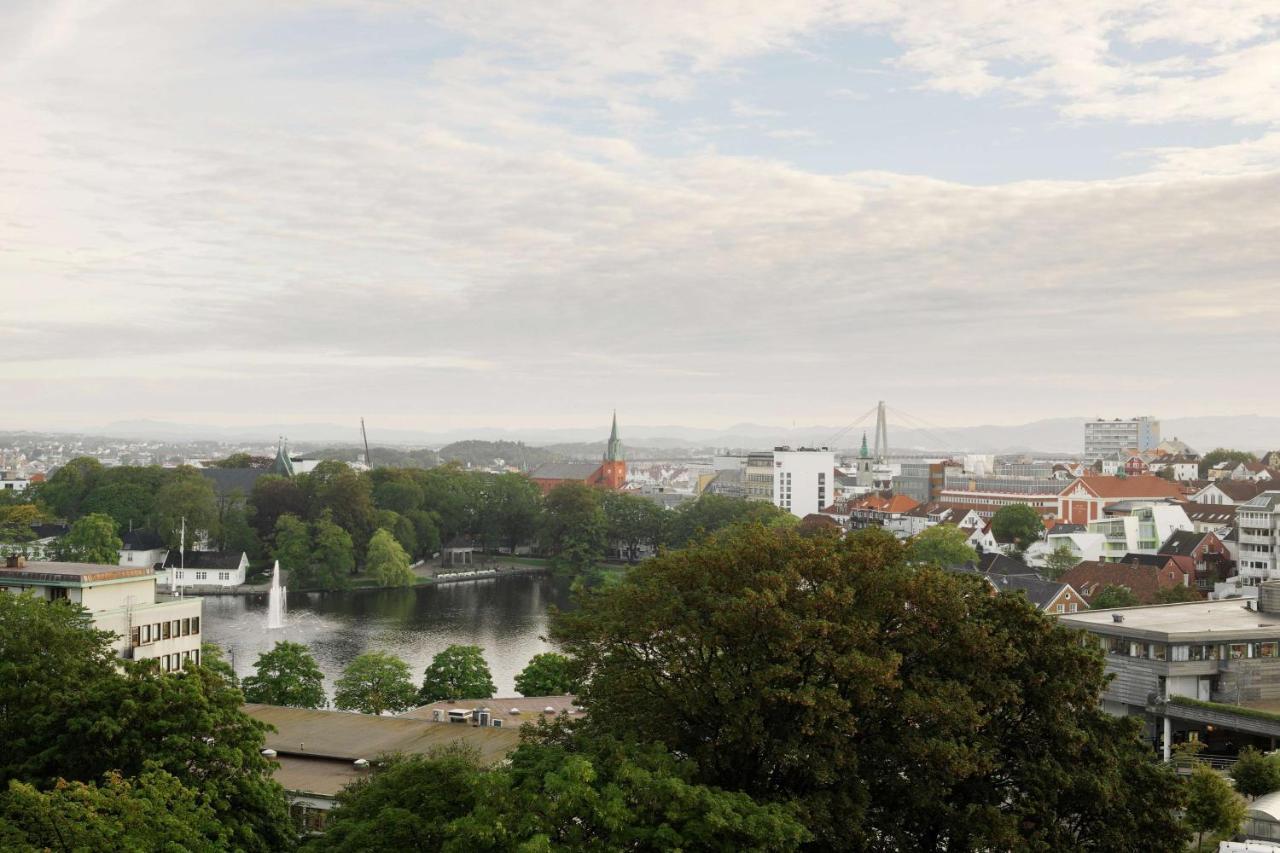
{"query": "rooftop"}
(1222, 618)
(524, 707)
(51, 572)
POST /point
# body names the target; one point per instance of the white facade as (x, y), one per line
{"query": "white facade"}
(1142, 531)
(1104, 438)
(208, 576)
(1084, 546)
(144, 557)
(803, 480)
(121, 600)
(1258, 529)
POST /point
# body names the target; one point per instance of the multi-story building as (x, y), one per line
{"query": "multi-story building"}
(923, 481)
(1107, 438)
(1138, 528)
(757, 476)
(803, 479)
(988, 494)
(1258, 529)
(122, 600)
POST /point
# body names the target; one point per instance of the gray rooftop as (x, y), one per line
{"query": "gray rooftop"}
(564, 470)
(38, 572)
(1224, 619)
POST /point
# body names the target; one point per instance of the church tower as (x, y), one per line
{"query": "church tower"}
(613, 470)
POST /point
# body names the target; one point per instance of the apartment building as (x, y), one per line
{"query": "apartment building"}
(1108, 438)
(122, 600)
(757, 476)
(1258, 530)
(803, 479)
(1142, 528)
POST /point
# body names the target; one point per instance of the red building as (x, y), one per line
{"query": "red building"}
(610, 473)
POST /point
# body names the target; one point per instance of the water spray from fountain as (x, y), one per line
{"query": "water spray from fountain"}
(275, 600)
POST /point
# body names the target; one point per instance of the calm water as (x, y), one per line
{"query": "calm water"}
(507, 617)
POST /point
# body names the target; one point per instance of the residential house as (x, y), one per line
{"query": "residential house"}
(206, 568)
(1138, 527)
(1184, 469)
(1258, 529)
(1006, 575)
(1229, 492)
(1085, 499)
(1143, 580)
(1202, 554)
(1210, 517)
(142, 548)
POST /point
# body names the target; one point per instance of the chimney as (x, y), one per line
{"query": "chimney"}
(15, 561)
(1117, 617)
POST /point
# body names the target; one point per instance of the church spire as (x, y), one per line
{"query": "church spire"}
(864, 453)
(282, 464)
(613, 452)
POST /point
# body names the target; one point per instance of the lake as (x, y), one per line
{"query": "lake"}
(507, 617)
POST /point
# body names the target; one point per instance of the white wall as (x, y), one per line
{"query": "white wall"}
(798, 475)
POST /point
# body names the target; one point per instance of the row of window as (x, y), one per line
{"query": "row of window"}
(1189, 652)
(146, 634)
(177, 660)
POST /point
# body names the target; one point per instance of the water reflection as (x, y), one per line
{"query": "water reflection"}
(505, 616)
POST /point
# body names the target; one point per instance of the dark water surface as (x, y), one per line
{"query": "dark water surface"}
(507, 617)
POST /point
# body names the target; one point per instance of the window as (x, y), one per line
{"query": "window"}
(201, 575)
(137, 637)
(165, 631)
(224, 576)
(1074, 607)
(1179, 653)
(195, 656)
(1238, 651)
(58, 593)
(186, 627)
(177, 627)
(195, 624)
(1158, 651)
(1266, 650)
(146, 633)
(1061, 608)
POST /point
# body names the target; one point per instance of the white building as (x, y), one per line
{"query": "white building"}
(1107, 438)
(11, 482)
(1082, 545)
(1258, 528)
(121, 600)
(206, 568)
(803, 479)
(1142, 530)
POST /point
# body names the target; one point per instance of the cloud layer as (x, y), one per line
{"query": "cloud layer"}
(500, 213)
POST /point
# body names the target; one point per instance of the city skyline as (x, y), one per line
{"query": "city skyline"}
(441, 215)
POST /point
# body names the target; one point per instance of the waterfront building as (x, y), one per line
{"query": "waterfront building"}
(1104, 438)
(122, 600)
(206, 568)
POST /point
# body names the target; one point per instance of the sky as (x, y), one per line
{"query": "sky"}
(440, 215)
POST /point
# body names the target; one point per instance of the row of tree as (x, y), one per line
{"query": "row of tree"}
(376, 682)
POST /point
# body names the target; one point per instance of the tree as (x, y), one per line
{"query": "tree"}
(64, 491)
(212, 659)
(401, 528)
(387, 562)
(630, 522)
(375, 682)
(515, 507)
(450, 493)
(1212, 806)
(1176, 594)
(286, 675)
(402, 496)
(347, 496)
(559, 793)
(333, 559)
(92, 539)
(1113, 595)
(1256, 773)
(272, 497)
(942, 545)
(548, 674)
(891, 706)
(710, 513)
(1017, 523)
(1221, 454)
(574, 527)
(426, 529)
(1059, 561)
(292, 548)
(458, 672)
(187, 496)
(152, 811)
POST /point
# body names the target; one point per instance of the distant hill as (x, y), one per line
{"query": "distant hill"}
(484, 454)
(381, 457)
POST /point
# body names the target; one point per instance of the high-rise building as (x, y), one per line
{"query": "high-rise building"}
(1258, 528)
(1104, 438)
(803, 479)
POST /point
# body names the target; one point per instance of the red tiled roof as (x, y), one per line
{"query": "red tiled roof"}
(1141, 486)
(1089, 578)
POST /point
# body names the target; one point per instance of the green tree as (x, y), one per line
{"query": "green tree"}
(373, 683)
(400, 527)
(1176, 594)
(516, 509)
(1113, 595)
(190, 496)
(547, 674)
(1059, 561)
(92, 539)
(451, 494)
(152, 811)
(293, 548)
(574, 527)
(892, 707)
(286, 675)
(1222, 454)
(212, 659)
(272, 497)
(1256, 773)
(130, 504)
(1212, 806)
(235, 533)
(631, 522)
(387, 563)
(336, 488)
(458, 672)
(1017, 523)
(696, 520)
(426, 530)
(333, 559)
(402, 495)
(67, 487)
(941, 545)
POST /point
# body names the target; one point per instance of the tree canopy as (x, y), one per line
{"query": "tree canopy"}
(387, 562)
(1017, 523)
(1256, 773)
(891, 706)
(1222, 454)
(1212, 805)
(1113, 595)
(1059, 561)
(373, 683)
(941, 545)
(286, 675)
(92, 539)
(458, 672)
(547, 674)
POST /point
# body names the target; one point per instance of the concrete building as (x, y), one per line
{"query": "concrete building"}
(1107, 438)
(122, 600)
(803, 479)
(1139, 528)
(1258, 530)
(757, 476)
(989, 493)
(1226, 653)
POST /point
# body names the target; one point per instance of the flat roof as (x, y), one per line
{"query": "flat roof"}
(347, 735)
(525, 708)
(1223, 619)
(56, 572)
(322, 776)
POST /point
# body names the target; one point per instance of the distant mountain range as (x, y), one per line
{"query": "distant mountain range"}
(1054, 435)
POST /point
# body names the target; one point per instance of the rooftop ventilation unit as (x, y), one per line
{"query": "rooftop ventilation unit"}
(1117, 617)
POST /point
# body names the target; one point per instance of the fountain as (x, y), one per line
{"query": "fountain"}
(275, 600)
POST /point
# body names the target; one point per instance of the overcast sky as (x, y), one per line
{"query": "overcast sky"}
(442, 215)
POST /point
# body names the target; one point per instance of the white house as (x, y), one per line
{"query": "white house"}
(142, 548)
(206, 568)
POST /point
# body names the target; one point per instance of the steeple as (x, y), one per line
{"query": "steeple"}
(282, 465)
(613, 453)
(864, 453)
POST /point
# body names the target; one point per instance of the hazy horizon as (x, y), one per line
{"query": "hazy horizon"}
(442, 215)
